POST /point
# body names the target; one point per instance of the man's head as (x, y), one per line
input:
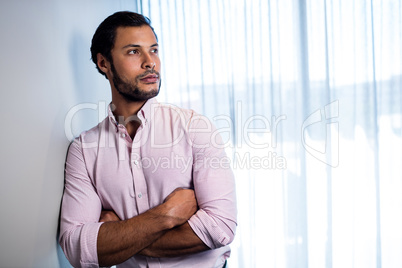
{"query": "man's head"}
(105, 35)
(125, 50)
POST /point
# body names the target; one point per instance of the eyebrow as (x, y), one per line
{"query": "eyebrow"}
(134, 45)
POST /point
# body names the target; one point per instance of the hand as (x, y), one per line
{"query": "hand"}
(181, 205)
(108, 215)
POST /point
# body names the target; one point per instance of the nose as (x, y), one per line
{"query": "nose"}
(148, 62)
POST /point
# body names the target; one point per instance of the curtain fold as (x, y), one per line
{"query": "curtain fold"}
(307, 97)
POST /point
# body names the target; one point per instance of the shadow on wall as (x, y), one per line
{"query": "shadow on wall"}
(80, 57)
(50, 182)
(81, 91)
(90, 87)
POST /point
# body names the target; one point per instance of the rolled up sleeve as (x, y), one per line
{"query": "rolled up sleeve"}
(80, 212)
(214, 185)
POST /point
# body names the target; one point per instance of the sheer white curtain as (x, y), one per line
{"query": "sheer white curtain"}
(307, 94)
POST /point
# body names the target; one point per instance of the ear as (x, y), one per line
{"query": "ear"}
(103, 63)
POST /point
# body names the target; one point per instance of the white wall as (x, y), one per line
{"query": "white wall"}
(45, 70)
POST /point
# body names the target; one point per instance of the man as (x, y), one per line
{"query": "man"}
(149, 186)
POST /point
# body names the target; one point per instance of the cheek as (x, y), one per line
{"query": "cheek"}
(128, 70)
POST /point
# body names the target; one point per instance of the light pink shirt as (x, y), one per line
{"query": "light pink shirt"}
(173, 147)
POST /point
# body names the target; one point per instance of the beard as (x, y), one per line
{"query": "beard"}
(130, 89)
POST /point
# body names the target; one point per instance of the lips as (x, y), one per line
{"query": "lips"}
(151, 78)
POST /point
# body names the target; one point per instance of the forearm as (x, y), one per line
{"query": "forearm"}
(120, 240)
(175, 242)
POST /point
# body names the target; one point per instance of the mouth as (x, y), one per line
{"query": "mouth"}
(150, 79)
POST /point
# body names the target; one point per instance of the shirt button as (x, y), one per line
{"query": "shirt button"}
(123, 135)
(136, 162)
(139, 195)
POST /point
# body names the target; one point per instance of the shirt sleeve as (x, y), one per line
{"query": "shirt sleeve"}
(80, 212)
(215, 222)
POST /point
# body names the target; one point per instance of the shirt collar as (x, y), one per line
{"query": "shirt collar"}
(144, 114)
(146, 110)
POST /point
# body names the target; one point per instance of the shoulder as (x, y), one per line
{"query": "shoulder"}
(172, 111)
(188, 118)
(88, 138)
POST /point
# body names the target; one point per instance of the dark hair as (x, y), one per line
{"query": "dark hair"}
(104, 37)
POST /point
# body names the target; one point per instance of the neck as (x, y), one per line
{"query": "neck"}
(125, 113)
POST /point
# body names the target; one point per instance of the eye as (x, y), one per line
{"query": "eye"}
(155, 50)
(134, 51)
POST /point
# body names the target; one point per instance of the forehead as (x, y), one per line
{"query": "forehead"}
(142, 35)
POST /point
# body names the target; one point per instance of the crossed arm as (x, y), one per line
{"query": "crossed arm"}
(160, 232)
(163, 231)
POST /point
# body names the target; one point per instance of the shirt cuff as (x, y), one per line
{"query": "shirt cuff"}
(205, 227)
(86, 254)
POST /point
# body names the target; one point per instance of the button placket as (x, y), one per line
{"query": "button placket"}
(123, 131)
(139, 180)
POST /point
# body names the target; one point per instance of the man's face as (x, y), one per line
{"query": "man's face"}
(136, 65)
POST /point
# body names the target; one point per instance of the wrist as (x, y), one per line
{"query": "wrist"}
(164, 214)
